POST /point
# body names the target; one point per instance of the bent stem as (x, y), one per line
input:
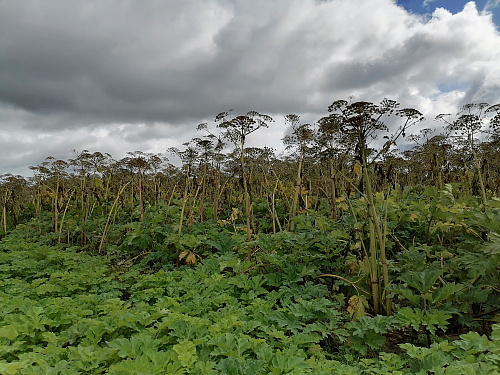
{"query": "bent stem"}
(358, 288)
(105, 231)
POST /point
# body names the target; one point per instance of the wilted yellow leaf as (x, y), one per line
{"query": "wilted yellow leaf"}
(234, 214)
(357, 169)
(183, 255)
(355, 308)
(191, 258)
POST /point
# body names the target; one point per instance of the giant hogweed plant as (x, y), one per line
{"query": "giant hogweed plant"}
(68, 312)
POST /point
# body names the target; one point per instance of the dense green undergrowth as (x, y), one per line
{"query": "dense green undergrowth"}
(158, 302)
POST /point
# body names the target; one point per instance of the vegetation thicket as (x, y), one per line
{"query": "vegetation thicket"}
(342, 257)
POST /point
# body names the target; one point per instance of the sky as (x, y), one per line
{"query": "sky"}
(118, 76)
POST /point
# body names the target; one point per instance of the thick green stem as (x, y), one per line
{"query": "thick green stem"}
(141, 196)
(274, 215)
(477, 163)
(374, 280)
(439, 173)
(64, 215)
(333, 191)
(377, 231)
(4, 220)
(298, 185)
(184, 200)
(247, 195)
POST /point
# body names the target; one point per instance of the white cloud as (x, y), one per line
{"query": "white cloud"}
(120, 76)
(426, 3)
(491, 4)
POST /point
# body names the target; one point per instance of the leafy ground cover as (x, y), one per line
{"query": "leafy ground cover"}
(160, 302)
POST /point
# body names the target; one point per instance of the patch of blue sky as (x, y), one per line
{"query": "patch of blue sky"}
(446, 87)
(426, 7)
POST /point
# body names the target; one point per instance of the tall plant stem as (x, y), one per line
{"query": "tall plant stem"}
(55, 217)
(333, 190)
(38, 200)
(438, 172)
(191, 209)
(374, 280)
(298, 185)
(171, 195)
(274, 216)
(215, 204)
(106, 226)
(4, 212)
(378, 232)
(248, 209)
(184, 200)
(477, 163)
(64, 216)
(141, 195)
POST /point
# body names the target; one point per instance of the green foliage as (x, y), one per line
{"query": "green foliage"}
(141, 309)
(68, 316)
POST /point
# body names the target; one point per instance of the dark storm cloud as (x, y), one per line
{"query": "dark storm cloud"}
(157, 61)
(154, 61)
(114, 61)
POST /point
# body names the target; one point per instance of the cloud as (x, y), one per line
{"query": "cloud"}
(119, 75)
(491, 4)
(426, 3)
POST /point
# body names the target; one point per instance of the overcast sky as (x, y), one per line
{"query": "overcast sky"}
(124, 75)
